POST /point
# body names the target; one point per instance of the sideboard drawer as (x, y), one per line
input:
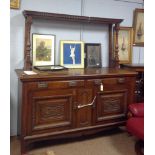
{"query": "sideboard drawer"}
(114, 81)
(55, 84)
(109, 83)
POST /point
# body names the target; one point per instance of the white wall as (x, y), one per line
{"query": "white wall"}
(98, 34)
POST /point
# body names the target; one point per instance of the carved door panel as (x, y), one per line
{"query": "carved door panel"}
(84, 107)
(110, 106)
(51, 110)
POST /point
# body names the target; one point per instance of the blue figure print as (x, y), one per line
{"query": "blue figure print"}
(72, 54)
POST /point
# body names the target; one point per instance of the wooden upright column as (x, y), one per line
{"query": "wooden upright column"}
(116, 56)
(110, 46)
(27, 48)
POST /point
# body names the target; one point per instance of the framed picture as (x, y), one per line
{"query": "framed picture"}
(124, 44)
(138, 27)
(43, 49)
(72, 54)
(14, 4)
(93, 55)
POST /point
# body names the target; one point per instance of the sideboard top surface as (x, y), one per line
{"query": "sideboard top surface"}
(74, 74)
(133, 67)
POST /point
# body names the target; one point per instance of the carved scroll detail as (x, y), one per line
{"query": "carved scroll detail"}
(54, 111)
(112, 105)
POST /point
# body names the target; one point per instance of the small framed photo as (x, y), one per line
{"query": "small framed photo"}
(72, 54)
(124, 44)
(138, 27)
(43, 49)
(93, 55)
(14, 4)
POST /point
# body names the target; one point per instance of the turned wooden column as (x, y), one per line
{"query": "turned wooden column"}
(116, 48)
(27, 48)
(110, 46)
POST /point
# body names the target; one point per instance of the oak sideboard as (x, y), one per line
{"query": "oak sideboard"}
(73, 102)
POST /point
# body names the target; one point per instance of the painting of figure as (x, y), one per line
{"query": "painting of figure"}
(72, 55)
(138, 27)
(124, 44)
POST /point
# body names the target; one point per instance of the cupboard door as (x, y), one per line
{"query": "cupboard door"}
(50, 110)
(110, 106)
(84, 107)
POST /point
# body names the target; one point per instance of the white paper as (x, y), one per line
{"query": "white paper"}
(30, 72)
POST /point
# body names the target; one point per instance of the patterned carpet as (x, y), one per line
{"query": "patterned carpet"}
(114, 142)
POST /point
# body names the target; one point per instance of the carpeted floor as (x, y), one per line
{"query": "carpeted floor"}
(116, 142)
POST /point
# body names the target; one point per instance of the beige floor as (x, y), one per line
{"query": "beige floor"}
(111, 143)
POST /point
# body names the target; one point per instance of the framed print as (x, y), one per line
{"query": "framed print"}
(14, 4)
(124, 44)
(72, 54)
(93, 55)
(138, 27)
(43, 49)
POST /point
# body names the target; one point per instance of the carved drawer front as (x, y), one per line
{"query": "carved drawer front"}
(52, 112)
(111, 105)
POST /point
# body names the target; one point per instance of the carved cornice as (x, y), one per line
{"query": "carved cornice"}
(72, 18)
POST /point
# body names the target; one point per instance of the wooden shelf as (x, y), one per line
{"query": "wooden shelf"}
(113, 25)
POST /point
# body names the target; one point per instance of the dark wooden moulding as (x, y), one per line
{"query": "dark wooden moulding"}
(112, 23)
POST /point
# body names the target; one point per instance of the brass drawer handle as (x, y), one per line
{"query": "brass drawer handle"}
(87, 105)
(72, 83)
(121, 80)
(42, 85)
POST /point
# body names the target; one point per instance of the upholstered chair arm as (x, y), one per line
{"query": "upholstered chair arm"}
(137, 109)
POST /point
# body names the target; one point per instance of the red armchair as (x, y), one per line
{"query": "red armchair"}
(135, 125)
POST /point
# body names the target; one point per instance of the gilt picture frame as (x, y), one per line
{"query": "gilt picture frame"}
(125, 40)
(43, 49)
(138, 27)
(14, 4)
(93, 55)
(72, 54)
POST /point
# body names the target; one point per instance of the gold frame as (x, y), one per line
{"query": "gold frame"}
(69, 63)
(125, 41)
(14, 4)
(138, 27)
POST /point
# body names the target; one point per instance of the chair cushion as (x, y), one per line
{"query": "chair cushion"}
(135, 126)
